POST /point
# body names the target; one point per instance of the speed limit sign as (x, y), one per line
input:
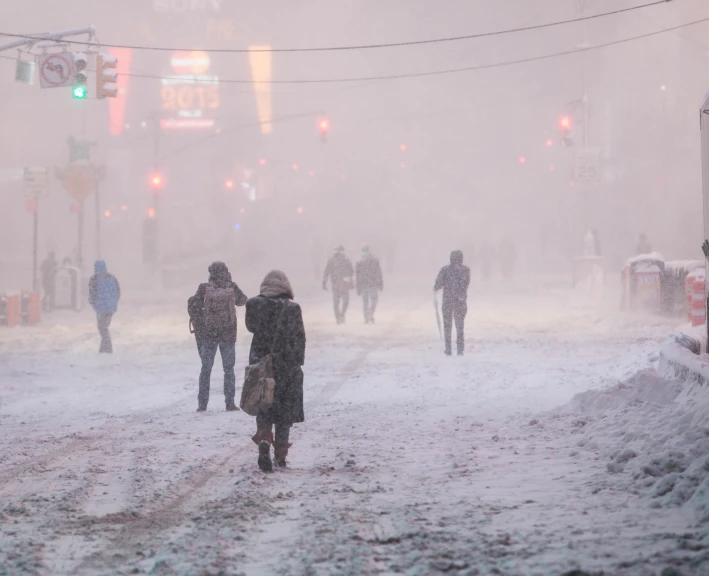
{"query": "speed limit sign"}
(587, 169)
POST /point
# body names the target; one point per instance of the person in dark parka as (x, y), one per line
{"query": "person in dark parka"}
(454, 280)
(213, 314)
(48, 270)
(104, 293)
(339, 271)
(369, 283)
(286, 339)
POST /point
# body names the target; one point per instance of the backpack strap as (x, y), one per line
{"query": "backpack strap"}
(279, 325)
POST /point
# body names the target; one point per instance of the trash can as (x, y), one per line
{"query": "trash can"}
(642, 283)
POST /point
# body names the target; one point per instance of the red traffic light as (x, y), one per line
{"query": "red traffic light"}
(324, 127)
(156, 181)
(229, 184)
(565, 123)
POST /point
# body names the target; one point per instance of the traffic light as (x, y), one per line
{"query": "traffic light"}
(229, 184)
(324, 128)
(565, 125)
(156, 182)
(106, 78)
(79, 90)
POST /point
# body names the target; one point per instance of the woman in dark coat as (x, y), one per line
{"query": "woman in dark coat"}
(276, 321)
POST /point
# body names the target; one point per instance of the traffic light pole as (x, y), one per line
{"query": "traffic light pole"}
(46, 38)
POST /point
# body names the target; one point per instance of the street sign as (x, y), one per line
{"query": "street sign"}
(36, 181)
(79, 179)
(56, 70)
(24, 71)
(587, 168)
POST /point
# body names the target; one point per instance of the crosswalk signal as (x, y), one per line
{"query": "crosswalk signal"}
(79, 90)
(106, 78)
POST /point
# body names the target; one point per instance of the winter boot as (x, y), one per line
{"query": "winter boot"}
(231, 407)
(264, 456)
(201, 408)
(264, 439)
(280, 453)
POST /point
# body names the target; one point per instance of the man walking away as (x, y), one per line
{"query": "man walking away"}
(48, 270)
(369, 283)
(339, 271)
(104, 293)
(215, 328)
(454, 280)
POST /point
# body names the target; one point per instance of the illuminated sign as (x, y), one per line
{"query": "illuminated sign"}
(190, 96)
(187, 5)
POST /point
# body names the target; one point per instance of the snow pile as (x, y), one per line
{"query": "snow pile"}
(653, 434)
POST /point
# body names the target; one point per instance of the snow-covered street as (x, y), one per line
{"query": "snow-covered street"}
(409, 462)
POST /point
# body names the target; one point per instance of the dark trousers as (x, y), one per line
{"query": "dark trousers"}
(263, 422)
(103, 319)
(207, 352)
(340, 302)
(370, 299)
(454, 312)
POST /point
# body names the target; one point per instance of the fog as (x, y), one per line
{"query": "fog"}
(414, 167)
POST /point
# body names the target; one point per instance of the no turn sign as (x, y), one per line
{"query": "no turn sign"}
(56, 70)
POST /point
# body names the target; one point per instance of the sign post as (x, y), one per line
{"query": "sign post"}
(35, 185)
(704, 130)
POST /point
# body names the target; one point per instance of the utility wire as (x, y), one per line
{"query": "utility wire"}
(364, 46)
(433, 72)
(448, 71)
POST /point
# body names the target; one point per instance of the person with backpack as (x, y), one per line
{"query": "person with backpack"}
(339, 271)
(277, 325)
(454, 280)
(369, 283)
(104, 293)
(213, 315)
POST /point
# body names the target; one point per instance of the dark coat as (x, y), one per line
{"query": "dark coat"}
(369, 274)
(338, 268)
(454, 280)
(219, 277)
(104, 290)
(261, 319)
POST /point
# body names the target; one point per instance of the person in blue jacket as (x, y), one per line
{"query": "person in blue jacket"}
(104, 293)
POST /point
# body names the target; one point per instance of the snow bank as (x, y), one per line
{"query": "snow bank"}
(680, 357)
(653, 435)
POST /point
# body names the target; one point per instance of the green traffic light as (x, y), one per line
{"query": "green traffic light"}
(80, 92)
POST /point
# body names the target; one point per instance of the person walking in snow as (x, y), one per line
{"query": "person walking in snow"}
(104, 293)
(277, 325)
(48, 270)
(454, 280)
(215, 328)
(369, 283)
(339, 271)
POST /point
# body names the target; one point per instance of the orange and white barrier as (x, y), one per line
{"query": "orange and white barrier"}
(699, 306)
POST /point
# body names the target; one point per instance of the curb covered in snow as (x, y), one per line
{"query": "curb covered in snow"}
(680, 359)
